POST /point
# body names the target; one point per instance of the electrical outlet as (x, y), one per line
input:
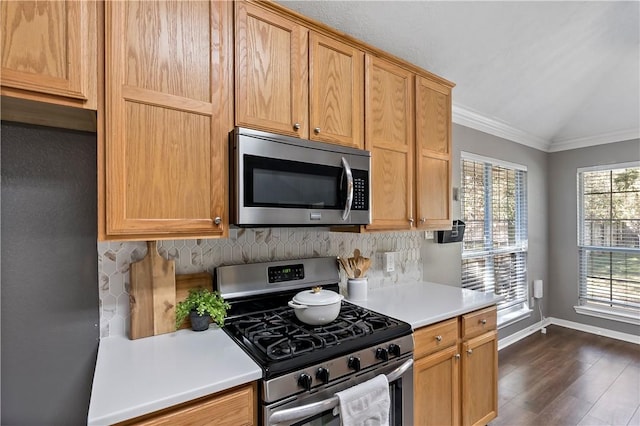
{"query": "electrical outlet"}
(389, 262)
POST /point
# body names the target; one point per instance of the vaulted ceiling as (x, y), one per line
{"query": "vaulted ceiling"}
(551, 75)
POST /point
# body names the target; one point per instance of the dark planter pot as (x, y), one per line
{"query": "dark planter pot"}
(199, 323)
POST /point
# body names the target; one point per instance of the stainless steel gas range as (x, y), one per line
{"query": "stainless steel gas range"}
(304, 366)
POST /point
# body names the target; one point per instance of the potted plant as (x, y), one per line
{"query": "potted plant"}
(202, 306)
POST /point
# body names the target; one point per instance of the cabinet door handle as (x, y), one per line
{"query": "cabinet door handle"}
(423, 220)
(296, 126)
(316, 130)
(217, 220)
(469, 351)
(439, 338)
(483, 321)
(411, 221)
(457, 356)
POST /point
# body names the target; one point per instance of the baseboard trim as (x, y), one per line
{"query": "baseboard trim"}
(516, 337)
(519, 335)
(631, 338)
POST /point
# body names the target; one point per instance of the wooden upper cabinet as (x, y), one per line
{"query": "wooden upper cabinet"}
(50, 51)
(272, 88)
(336, 92)
(167, 118)
(433, 154)
(389, 135)
(293, 81)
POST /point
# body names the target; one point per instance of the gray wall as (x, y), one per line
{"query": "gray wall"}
(49, 281)
(563, 250)
(442, 262)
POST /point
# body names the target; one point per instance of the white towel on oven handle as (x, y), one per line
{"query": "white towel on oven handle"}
(366, 404)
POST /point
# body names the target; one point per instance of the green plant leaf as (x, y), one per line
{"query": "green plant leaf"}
(203, 301)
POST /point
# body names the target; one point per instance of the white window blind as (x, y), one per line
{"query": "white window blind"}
(609, 237)
(494, 209)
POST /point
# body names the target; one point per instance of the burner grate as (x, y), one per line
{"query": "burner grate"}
(279, 335)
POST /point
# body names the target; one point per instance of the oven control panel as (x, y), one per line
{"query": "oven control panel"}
(278, 274)
(380, 358)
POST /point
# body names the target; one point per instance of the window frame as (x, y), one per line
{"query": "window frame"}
(585, 305)
(514, 311)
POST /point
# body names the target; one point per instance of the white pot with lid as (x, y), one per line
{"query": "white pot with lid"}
(316, 306)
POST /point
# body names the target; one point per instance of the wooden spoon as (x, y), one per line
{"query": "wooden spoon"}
(356, 254)
(347, 268)
(357, 273)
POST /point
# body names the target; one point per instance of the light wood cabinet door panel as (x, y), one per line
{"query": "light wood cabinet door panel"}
(479, 379)
(166, 125)
(50, 51)
(236, 407)
(272, 88)
(389, 135)
(478, 322)
(437, 389)
(433, 154)
(336, 92)
(435, 337)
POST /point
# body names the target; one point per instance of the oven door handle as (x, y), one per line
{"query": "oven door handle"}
(309, 410)
(349, 197)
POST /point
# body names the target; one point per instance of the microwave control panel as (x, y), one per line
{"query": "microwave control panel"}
(360, 190)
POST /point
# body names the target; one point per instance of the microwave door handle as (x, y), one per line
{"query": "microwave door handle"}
(349, 198)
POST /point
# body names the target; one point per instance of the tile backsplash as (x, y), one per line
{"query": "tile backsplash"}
(249, 246)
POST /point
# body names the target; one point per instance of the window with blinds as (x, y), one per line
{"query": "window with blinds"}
(494, 209)
(609, 237)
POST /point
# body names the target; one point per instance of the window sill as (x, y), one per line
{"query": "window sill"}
(607, 313)
(508, 318)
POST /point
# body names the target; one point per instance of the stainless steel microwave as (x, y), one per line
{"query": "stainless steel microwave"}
(283, 181)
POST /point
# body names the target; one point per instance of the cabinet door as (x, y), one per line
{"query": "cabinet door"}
(50, 51)
(389, 137)
(433, 154)
(272, 87)
(480, 379)
(436, 389)
(336, 92)
(236, 407)
(166, 106)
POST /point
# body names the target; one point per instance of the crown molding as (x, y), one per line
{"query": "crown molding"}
(466, 117)
(564, 144)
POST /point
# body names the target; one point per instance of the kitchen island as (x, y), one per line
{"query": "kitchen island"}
(137, 377)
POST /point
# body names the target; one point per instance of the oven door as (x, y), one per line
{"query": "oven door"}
(288, 181)
(317, 408)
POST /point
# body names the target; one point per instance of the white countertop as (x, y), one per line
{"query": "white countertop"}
(136, 377)
(422, 304)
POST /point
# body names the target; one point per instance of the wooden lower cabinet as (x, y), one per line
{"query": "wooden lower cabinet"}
(436, 387)
(235, 407)
(479, 379)
(456, 371)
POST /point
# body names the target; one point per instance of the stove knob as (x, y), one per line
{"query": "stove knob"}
(304, 381)
(394, 349)
(382, 354)
(323, 375)
(354, 363)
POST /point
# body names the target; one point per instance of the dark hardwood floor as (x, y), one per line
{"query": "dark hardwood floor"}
(567, 377)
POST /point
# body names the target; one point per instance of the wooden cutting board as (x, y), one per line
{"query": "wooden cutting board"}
(152, 296)
(186, 282)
